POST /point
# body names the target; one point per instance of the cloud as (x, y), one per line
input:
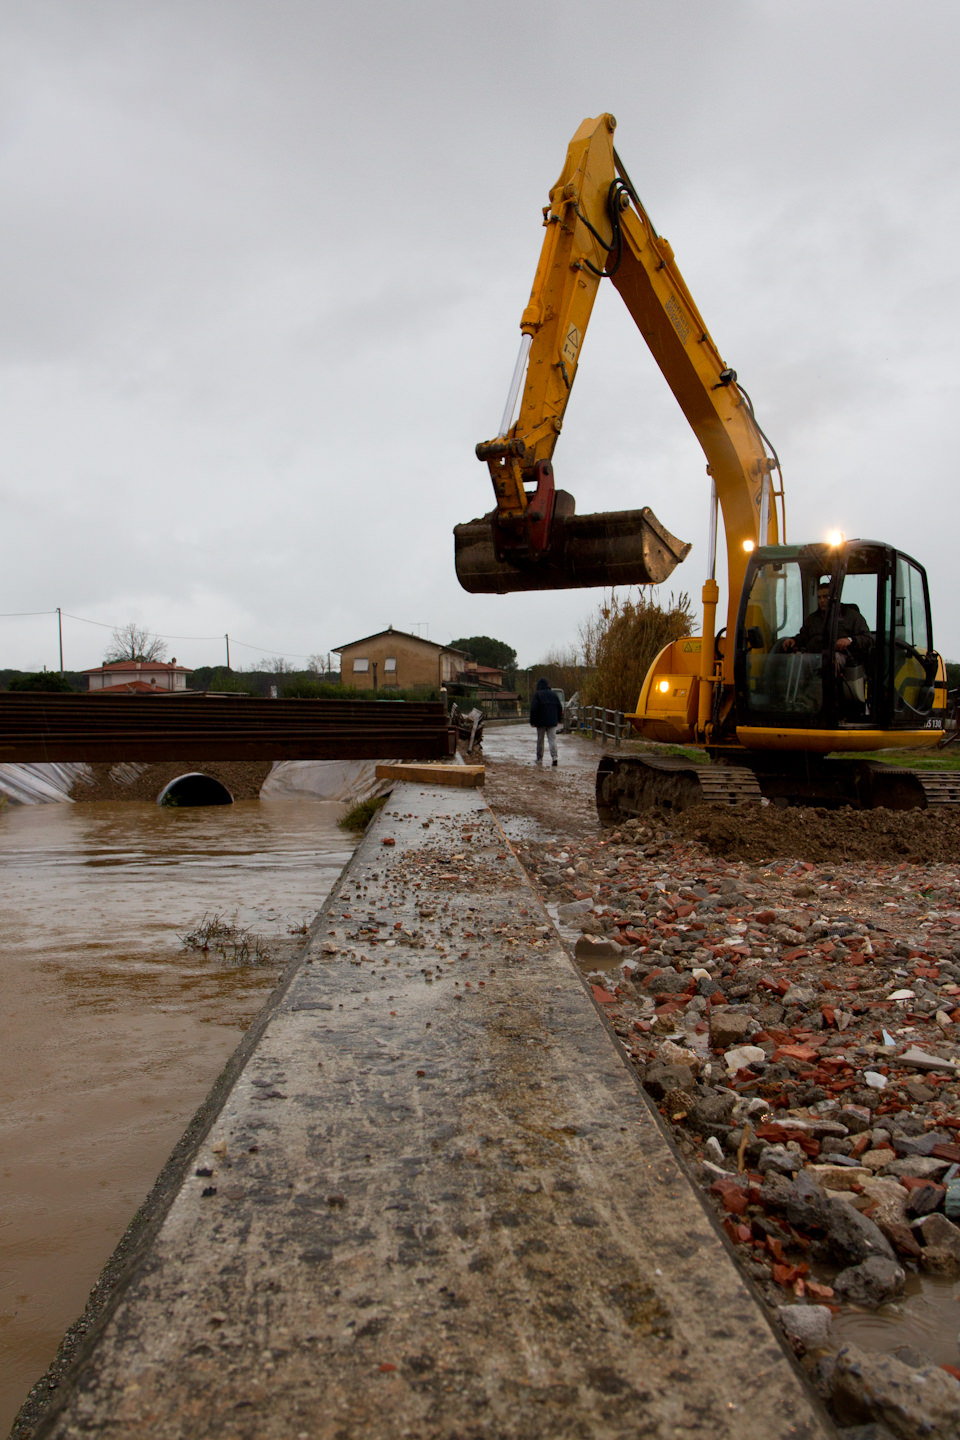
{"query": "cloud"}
(265, 263)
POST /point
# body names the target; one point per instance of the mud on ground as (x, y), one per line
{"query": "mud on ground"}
(561, 801)
(918, 837)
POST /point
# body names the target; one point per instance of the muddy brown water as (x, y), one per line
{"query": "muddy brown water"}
(111, 1031)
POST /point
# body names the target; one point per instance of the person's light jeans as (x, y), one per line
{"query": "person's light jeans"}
(550, 731)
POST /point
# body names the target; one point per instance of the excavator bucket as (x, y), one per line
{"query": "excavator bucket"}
(618, 547)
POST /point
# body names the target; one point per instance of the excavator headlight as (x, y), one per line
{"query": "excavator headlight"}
(663, 687)
(835, 539)
(749, 546)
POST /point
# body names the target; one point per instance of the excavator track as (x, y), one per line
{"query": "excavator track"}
(729, 785)
(941, 788)
(898, 788)
(630, 785)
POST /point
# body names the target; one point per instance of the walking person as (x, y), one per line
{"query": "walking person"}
(546, 712)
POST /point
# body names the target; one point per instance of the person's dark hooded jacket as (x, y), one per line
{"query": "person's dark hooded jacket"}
(545, 708)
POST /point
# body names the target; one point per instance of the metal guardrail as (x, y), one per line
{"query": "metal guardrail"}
(600, 724)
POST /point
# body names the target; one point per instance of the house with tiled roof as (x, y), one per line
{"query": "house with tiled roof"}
(137, 677)
(393, 658)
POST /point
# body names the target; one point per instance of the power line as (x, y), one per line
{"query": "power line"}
(294, 655)
(155, 634)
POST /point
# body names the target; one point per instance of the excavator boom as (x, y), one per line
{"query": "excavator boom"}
(596, 227)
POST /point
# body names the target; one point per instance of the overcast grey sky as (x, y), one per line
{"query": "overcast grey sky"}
(263, 265)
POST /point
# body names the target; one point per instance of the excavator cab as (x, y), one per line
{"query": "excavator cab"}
(836, 639)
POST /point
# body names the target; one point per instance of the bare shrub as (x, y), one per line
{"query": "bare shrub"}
(233, 944)
(621, 642)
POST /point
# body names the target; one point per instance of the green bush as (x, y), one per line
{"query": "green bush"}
(47, 681)
(358, 817)
(305, 687)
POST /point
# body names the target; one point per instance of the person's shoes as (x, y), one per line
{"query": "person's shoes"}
(538, 761)
(554, 762)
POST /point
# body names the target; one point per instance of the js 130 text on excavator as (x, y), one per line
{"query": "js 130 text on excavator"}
(827, 647)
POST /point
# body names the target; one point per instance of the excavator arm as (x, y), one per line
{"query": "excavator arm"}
(596, 227)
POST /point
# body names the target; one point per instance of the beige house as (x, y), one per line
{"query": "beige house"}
(138, 677)
(394, 658)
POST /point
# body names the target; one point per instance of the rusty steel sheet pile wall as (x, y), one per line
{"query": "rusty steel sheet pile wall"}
(195, 727)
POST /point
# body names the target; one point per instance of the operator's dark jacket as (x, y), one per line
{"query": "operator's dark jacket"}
(850, 625)
(545, 708)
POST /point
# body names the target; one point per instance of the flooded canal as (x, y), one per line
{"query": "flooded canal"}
(113, 1032)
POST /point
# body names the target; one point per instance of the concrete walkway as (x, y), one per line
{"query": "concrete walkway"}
(435, 1203)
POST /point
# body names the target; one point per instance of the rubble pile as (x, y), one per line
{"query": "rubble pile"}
(797, 1023)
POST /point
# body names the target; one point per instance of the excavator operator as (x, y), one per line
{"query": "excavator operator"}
(854, 640)
(852, 650)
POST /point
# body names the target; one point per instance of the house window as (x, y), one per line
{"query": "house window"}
(360, 667)
(390, 665)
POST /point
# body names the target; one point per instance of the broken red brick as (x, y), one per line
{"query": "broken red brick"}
(732, 1196)
(795, 1052)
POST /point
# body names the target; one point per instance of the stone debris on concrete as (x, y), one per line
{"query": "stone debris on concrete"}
(435, 1202)
(798, 1025)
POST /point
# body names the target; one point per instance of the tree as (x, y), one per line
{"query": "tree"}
(216, 677)
(621, 642)
(486, 651)
(132, 642)
(45, 680)
(564, 668)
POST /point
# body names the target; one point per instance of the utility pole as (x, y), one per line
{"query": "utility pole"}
(60, 633)
(227, 638)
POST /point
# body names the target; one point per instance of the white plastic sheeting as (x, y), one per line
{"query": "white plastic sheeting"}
(40, 784)
(350, 781)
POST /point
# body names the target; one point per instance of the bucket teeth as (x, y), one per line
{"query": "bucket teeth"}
(617, 547)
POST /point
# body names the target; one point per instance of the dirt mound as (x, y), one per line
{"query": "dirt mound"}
(921, 837)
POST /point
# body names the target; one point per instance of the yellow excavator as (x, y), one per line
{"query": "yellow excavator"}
(827, 653)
